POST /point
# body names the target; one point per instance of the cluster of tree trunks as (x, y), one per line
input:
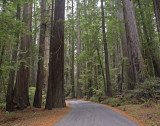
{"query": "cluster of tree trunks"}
(133, 68)
(17, 94)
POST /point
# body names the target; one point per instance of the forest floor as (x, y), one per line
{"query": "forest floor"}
(33, 116)
(149, 115)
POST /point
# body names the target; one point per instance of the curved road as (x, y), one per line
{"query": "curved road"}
(92, 114)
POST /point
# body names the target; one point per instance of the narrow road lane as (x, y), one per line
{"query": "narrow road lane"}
(92, 114)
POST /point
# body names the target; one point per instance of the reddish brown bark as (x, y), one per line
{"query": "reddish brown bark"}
(21, 97)
(9, 98)
(135, 57)
(55, 95)
(156, 4)
(79, 92)
(40, 74)
(49, 87)
(72, 74)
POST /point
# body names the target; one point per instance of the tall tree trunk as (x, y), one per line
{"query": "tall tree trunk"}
(46, 52)
(95, 74)
(4, 4)
(135, 56)
(3, 45)
(155, 46)
(33, 69)
(49, 87)
(46, 58)
(56, 63)
(40, 75)
(79, 92)
(67, 64)
(109, 90)
(72, 75)
(9, 98)
(104, 82)
(90, 81)
(28, 54)
(156, 4)
(21, 96)
(117, 65)
(148, 51)
(125, 61)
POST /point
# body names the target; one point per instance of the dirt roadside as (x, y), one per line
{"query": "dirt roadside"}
(33, 117)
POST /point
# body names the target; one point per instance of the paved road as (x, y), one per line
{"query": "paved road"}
(92, 114)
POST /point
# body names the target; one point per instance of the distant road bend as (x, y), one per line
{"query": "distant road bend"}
(91, 114)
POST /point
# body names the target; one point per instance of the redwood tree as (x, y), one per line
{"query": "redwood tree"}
(21, 96)
(55, 93)
(79, 92)
(156, 4)
(72, 75)
(9, 97)
(40, 73)
(109, 91)
(135, 57)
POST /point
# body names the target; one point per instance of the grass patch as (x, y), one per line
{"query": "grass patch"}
(112, 102)
(2, 105)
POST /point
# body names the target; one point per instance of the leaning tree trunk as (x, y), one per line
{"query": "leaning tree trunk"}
(56, 63)
(109, 90)
(135, 56)
(9, 98)
(72, 75)
(79, 92)
(40, 74)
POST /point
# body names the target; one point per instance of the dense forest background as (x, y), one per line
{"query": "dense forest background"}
(88, 49)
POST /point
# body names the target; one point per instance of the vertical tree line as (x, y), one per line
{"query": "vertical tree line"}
(18, 84)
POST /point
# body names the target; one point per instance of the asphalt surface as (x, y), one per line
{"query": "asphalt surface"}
(92, 114)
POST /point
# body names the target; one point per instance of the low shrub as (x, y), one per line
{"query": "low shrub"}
(9, 114)
(31, 94)
(2, 105)
(113, 102)
(148, 104)
(94, 99)
(126, 98)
